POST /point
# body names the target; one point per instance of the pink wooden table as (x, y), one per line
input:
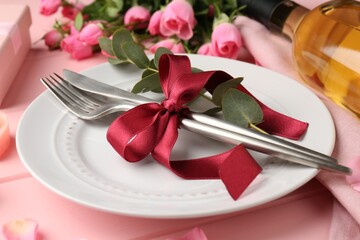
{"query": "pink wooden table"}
(304, 214)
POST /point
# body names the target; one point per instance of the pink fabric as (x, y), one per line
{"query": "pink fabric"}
(274, 52)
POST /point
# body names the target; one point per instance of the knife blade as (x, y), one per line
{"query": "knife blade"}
(234, 134)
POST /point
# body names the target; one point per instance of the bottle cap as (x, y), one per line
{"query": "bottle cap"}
(271, 13)
(261, 10)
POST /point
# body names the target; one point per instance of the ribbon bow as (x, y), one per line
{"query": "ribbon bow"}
(153, 128)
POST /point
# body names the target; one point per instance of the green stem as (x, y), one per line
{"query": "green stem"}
(202, 13)
(152, 69)
(253, 126)
(216, 8)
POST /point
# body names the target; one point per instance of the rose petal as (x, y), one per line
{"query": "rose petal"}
(24, 229)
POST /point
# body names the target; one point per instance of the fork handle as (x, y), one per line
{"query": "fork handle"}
(268, 139)
(272, 149)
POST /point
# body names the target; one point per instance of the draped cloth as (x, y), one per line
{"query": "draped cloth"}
(274, 52)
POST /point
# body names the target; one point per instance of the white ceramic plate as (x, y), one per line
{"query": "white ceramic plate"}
(72, 157)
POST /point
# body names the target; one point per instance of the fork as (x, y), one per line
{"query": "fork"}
(81, 104)
(89, 106)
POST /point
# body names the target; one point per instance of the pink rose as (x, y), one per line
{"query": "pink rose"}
(169, 44)
(71, 11)
(178, 19)
(226, 41)
(66, 43)
(154, 23)
(148, 42)
(205, 49)
(48, 7)
(75, 47)
(52, 39)
(137, 17)
(90, 33)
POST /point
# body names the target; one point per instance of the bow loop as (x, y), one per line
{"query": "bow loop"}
(153, 128)
(134, 140)
(170, 72)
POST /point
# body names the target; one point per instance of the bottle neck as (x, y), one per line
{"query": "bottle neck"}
(287, 24)
(281, 16)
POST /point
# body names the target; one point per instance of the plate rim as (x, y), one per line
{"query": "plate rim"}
(150, 215)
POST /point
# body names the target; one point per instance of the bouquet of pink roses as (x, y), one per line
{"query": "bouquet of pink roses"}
(197, 26)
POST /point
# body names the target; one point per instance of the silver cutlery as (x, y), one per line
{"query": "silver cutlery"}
(77, 95)
(90, 85)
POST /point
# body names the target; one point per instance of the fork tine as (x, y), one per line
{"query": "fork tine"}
(67, 101)
(79, 103)
(74, 94)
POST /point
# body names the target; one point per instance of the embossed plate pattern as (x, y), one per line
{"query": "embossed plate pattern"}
(72, 157)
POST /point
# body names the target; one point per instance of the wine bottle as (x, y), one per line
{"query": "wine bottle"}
(326, 43)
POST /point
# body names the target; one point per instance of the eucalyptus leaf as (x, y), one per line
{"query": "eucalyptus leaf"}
(79, 21)
(240, 108)
(116, 61)
(221, 89)
(196, 70)
(160, 51)
(232, 3)
(118, 51)
(97, 10)
(157, 90)
(114, 7)
(105, 45)
(120, 37)
(136, 54)
(112, 11)
(150, 83)
(148, 72)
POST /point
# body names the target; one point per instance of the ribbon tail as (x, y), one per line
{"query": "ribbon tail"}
(238, 171)
(236, 168)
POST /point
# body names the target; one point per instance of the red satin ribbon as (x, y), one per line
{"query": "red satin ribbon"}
(152, 128)
(277, 123)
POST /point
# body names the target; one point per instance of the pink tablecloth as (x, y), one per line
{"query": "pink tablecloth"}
(278, 57)
(307, 213)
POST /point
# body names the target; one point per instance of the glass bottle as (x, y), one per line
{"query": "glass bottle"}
(326, 43)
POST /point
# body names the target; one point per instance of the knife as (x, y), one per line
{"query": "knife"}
(233, 134)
